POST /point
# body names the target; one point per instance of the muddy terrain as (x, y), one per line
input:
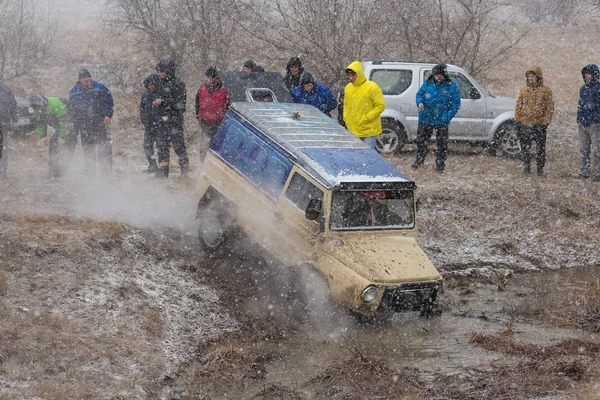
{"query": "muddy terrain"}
(104, 295)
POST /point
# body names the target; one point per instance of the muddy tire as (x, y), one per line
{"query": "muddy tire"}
(506, 141)
(392, 138)
(212, 231)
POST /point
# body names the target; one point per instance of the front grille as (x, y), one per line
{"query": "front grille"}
(409, 296)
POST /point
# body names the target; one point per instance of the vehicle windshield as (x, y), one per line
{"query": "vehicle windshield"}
(372, 210)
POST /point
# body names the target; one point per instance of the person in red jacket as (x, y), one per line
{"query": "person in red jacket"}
(211, 105)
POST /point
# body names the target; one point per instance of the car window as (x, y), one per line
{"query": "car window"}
(392, 81)
(263, 95)
(465, 87)
(371, 210)
(301, 191)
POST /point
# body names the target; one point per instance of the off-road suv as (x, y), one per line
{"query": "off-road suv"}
(482, 117)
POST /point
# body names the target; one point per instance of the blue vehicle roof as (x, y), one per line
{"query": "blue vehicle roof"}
(318, 144)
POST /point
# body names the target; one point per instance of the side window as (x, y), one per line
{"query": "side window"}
(263, 95)
(392, 81)
(465, 87)
(301, 191)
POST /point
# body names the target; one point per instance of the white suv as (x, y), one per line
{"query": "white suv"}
(482, 117)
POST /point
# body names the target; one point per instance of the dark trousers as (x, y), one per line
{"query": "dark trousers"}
(171, 134)
(96, 143)
(54, 168)
(207, 132)
(424, 134)
(528, 135)
(150, 138)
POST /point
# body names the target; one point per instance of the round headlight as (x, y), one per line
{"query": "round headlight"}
(369, 294)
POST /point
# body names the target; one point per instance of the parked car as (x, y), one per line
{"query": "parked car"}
(315, 196)
(255, 86)
(482, 117)
(26, 120)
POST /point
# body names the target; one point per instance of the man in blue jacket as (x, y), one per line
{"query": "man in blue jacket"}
(438, 101)
(314, 93)
(91, 109)
(588, 120)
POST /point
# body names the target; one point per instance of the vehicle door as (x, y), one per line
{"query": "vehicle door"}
(291, 208)
(395, 83)
(469, 121)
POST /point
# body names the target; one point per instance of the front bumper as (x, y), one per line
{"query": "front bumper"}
(412, 296)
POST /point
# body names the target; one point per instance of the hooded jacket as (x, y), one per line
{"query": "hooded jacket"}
(290, 80)
(588, 109)
(148, 112)
(55, 115)
(534, 104)
(89, 106)
(441, 100)
(211, 103)
(172, 93)
(363, 104)
(320, 96)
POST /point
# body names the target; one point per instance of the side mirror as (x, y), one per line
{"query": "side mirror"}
(475, 94)
(313, 210)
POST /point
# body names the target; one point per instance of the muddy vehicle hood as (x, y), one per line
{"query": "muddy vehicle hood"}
(383, 259)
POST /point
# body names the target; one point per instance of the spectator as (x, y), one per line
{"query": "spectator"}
(363, 105)
(588, 120)
(533, 114)
(171, 100)
(314, 93)
(51, 111)
(91, 109)
(293, 73)
(8, 121)
(438, 101)
(210, 107)
(248, 65)
(150, 120)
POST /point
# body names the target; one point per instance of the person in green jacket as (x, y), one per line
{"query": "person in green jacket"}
(51, 111)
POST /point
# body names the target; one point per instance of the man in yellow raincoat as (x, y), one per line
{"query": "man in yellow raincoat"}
(363, 105)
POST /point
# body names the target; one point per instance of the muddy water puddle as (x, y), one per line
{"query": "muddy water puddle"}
(439, 345)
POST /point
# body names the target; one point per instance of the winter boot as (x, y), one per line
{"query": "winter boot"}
(152, 168)
(163, 170)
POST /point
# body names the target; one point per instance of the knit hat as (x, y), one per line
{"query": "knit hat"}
(440, 69)
(84, 73)
(212, 72)
(307, 77)
(249, 64)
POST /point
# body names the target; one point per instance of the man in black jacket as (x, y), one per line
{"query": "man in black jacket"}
(171, 106)
(293, 73)
(8, 120)
(150, 120)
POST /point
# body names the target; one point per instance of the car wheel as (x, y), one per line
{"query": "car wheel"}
(392, 137)
(507, 141)
(212, 231)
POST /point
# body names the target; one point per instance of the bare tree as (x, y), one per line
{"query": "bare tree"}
(562, 11)
(26, 38)
(469, 33)
(325, 33)
(191, 32)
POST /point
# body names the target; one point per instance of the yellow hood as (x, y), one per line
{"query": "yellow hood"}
(383, 259)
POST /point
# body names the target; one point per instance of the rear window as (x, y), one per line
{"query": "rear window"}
(392, 81)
